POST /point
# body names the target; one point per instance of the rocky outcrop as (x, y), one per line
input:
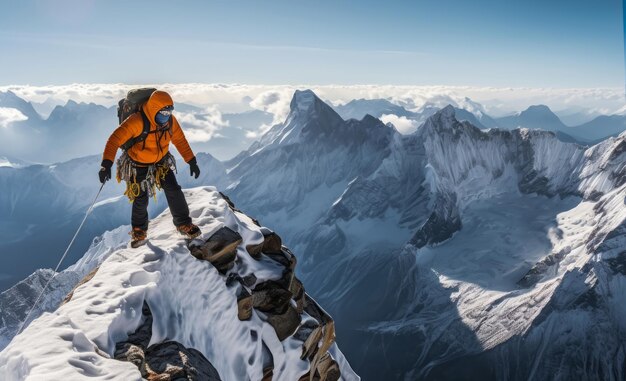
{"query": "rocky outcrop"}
(220, 249)
(164, 361)
(282, 303)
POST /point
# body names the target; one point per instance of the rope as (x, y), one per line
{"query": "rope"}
(151, 182)
(56, 269)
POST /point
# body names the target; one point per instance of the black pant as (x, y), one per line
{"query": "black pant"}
(173, 194)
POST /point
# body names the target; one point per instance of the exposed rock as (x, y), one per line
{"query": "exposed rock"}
(255, 250)
(244, 305)
(442, 223)
(315, 311)
(305, 330)
(268, 363)
(285, 324)
(173, 361)
(228, 201)
(271, 297)
(234, 209)
(311, 343)
(249, 280)
(532, 182)
(279, 257)
(327, 369)
(166, 361)
(268, 374)
(619, 149)
(220, 249)
(132, 353)
(541, 268)
(595, 195)
(272, 243)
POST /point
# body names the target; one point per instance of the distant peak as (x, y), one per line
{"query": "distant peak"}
(303, 100)
(306, 104)
(9, 95)
(369, 118)
(443, 119)
(538, 109)
(447, 111)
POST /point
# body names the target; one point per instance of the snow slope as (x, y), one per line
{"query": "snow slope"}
(190, 301)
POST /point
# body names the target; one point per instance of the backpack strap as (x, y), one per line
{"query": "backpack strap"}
(145, 131)
(141, 137)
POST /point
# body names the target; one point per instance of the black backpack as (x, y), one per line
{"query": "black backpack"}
(133, 103)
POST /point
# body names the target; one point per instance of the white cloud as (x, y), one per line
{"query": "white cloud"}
(496, 101)
(276, 102)
(253, 134)
(201, 126)
(9, 115)
(402, 124)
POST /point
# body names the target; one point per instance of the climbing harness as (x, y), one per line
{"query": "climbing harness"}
(127, 171)
(56, 269)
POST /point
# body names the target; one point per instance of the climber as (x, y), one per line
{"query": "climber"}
(147, 165)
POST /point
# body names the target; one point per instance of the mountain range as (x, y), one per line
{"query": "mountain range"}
(80, 129)
(455, 252)
(534, 117)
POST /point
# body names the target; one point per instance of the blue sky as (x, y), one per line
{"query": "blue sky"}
(576, 43)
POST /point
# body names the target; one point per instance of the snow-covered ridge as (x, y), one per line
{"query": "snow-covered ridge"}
(191, 303)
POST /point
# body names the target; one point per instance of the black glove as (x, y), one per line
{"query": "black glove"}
(105, 171)
(193, 167)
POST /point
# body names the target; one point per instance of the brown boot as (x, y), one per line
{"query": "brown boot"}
(189, 230)
(138, 237)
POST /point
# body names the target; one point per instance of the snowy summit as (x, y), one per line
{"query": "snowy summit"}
(225, 306)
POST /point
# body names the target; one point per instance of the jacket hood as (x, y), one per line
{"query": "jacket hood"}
(157, 101)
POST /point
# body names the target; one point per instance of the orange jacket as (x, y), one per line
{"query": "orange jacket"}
(157, 143)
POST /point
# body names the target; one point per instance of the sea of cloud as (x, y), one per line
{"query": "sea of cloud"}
(217, 99)
(202, 125)
(9, 115)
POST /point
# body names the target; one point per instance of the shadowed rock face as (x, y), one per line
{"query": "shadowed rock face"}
(164, 361)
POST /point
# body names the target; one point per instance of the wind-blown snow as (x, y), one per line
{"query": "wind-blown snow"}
(189, 300)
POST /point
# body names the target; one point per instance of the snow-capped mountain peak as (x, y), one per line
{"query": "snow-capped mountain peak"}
(309, 118)
(9, 99)
(306, 107)
(303, 100)
(443, 119)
